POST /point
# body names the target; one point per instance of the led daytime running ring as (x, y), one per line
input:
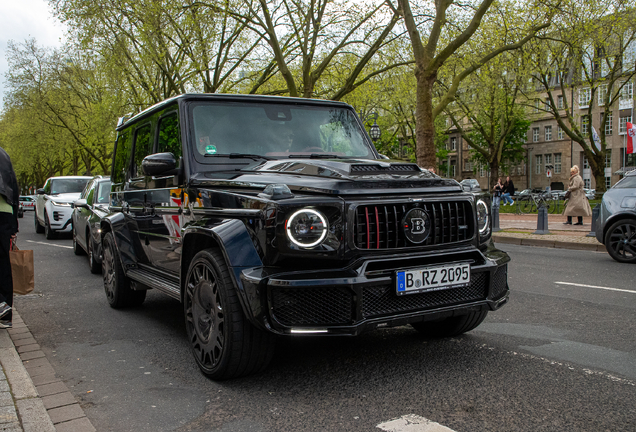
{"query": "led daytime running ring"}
(323, 235)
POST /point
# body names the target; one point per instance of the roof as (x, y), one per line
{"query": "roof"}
(230, 97)
(626, 171)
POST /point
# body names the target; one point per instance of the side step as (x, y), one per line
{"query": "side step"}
(153, 281)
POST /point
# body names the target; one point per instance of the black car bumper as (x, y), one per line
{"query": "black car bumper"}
(363, 296)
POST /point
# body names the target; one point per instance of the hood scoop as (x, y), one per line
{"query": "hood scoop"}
(384, 168)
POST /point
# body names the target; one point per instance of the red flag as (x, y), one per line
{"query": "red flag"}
(631, 135)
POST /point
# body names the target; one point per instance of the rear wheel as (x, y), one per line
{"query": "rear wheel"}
(620, 241)
(116, 284)
(525, 205)
(224, 343)
(452, 326)
(38, 227)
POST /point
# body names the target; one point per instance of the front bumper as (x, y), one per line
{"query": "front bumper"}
(60, 218)
(363, 296)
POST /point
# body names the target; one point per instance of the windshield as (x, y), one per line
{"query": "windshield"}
(103, 192)
(59, 186)
(225, 130)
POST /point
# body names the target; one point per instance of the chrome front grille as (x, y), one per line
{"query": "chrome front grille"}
(380, 226)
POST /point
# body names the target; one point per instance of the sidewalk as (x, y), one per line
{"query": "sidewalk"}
(32, 397)
(519, 228)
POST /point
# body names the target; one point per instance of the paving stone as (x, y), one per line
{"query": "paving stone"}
(35, 362)
(51, 389)
(58, 400)
(29, 340)
(13, 332)
(66, 413)
(77, 425)
(32, 355)
(8, 414)
(44, 379)
(20, 337)
(28, 348)
(6, 399)
(4, 385)
(34, 416)
(40, 370)
(11, 427)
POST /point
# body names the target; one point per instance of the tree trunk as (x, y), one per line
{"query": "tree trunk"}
(425, 121)
(494, 173)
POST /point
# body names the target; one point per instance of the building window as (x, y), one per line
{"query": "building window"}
(539, 159)
(629, 52)
(536, 105)
(548, 133)
(453, 143)
(585, 97)
(557, 163)
(626, 99)
(608, 123)
(453, 165)
(585, 124)
(482, 170)
(535, 134)
(608, 182)
(587, 183)
(602, 94)
(560, 133)
(560, 102)
(622, 124)
(548, 161)
(586, 163)
(608, 158)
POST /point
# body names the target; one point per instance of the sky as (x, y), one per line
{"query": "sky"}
(23, 19)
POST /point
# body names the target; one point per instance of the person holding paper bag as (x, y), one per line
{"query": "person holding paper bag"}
(9, 203)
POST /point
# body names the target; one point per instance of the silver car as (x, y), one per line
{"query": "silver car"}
(616, 227)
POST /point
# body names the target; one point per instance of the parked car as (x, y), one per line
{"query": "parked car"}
(53, 204)
(88, 212)
(616, 224)
(470, 185)
(590, 194)
(271, 216)
(28, 202)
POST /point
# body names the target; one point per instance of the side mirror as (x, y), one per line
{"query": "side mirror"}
(159, 164)
(80, 203)
(40, 191)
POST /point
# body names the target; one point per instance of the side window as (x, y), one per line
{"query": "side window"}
(87, 190)
(91, 193)
(169, 136)
(121, 158)
(47, 186)
(143, 147)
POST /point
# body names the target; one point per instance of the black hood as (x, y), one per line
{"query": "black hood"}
(333, 177)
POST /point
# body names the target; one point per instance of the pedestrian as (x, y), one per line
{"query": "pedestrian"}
(508, 191)
(577, 204)
(9, 204)
(496, 194)
(432, 170)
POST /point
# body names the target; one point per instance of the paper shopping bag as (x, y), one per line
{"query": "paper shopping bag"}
(22, 270)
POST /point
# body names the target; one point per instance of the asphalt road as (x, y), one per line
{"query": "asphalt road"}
(557, 357)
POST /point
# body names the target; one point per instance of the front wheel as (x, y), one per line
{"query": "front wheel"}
(95, 266)
(48, 232)
(116, 284)
(38, 226)
(620, 241)
(77, 249)
(525, 205)
(224, 343)
(452, 326)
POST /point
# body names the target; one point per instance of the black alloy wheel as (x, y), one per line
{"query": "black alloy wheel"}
(224, 343)
(48, 232)
(116, 284)
(38, 226)
(77, 249)
(620, 241)
(95, 266)
(453, 326)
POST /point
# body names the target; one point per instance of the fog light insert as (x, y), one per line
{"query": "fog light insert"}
(307, 228)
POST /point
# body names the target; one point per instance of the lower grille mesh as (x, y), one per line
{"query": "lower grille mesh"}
(499, 282)
(378, 301)
(312, 306)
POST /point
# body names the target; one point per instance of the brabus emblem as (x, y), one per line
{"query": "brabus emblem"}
(416, 225)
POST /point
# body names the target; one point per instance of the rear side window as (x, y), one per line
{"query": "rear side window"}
(143, 147)
(120, 160)
(626, 183)
(91, 194)
(169, 136)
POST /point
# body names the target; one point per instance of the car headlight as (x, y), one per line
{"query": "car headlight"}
(483, 217)
(307, 228)
(60, 204)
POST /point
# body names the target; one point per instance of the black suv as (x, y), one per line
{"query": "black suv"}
(272, 216)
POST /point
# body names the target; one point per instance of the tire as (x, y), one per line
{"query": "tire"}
(38, 227)
(620, 241)
(525, 206)
(93, 264)
(48, 232)
(77, 249)
(452, 326)
(116, 284)
(224, 343)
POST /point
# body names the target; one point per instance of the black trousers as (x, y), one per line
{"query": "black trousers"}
(6, 281)
(579, 219)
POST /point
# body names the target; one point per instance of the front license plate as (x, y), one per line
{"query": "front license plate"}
(433, 278)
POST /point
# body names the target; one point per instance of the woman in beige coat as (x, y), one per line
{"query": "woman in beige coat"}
(578, 204)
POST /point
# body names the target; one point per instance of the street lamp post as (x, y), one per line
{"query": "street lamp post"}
(374, 130)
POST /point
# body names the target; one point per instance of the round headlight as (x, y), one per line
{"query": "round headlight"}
(482, 217)
(307, 228)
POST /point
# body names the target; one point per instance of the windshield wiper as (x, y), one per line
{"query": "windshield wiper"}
(317, 156)
(239, 156)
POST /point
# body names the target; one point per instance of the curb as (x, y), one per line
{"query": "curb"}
(42, 400)
(549, 243)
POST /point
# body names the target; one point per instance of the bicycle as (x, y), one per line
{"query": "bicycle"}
(530, 203)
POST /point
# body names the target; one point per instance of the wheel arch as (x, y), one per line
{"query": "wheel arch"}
(615, 218)
(116, 223)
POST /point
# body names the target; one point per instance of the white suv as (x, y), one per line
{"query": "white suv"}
(53, 208)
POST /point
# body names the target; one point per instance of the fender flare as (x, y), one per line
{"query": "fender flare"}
(116, 223)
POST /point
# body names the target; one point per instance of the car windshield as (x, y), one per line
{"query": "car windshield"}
(279, 131)
(59, 186)
(103, 192)
(626, 182)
